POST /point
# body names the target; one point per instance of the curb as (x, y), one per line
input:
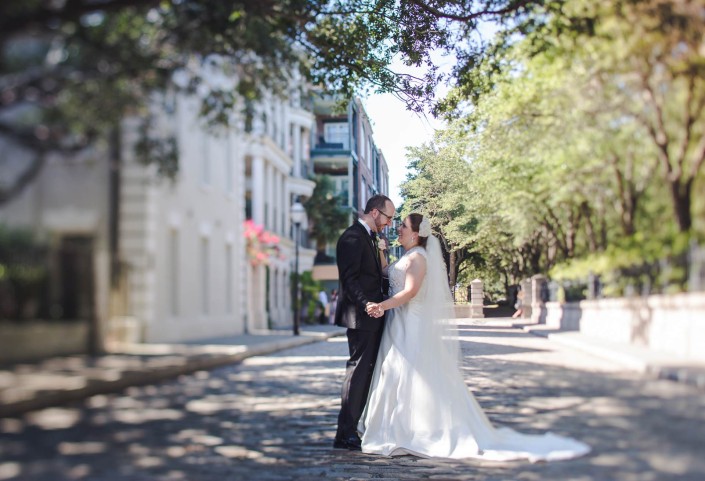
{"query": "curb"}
(152, 375)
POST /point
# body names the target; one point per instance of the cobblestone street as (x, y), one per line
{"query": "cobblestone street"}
(273, 418)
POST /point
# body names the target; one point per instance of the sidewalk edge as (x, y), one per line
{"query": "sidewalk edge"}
(158, 374)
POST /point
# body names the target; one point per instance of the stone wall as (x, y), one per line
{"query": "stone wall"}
(672, 324)
(34, 340)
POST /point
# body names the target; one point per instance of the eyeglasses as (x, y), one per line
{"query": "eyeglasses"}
(387, 216)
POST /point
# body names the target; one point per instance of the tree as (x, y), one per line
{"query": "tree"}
(436, 187)
(566, 141)
(326, 215)
(662, 64)
(69, 71)
(23, 275)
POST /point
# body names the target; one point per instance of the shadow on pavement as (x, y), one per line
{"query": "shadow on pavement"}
(273, 418)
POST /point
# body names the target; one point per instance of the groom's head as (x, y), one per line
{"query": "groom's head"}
(381, 211)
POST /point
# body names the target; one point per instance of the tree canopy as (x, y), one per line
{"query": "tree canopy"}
(577, 125)
(584, 156)
(69, 70)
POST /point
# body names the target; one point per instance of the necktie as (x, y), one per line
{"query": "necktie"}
(374, 238)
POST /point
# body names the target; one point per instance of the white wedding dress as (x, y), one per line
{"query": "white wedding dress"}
(419, 403)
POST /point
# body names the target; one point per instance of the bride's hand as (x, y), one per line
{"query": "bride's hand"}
(374, 310)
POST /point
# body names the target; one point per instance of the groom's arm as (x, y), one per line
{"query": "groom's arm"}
(349, 254)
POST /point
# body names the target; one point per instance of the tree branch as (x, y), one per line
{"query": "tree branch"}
(698, 158)
(658, 132)
(473, 16)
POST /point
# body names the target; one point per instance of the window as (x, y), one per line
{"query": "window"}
(343, 189)
(305, 145)
(228, 279)
(205, 276)
(275, 127)
(206, 162)
(174, 272)
(248, 205)
(229, 174)
(355, 126)
(368, 151)
(337, 133)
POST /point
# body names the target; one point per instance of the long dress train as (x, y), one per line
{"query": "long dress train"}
(419, 403)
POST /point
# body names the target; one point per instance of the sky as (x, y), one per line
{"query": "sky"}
(395, 128)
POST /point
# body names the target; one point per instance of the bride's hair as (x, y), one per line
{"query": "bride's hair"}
(415, 220)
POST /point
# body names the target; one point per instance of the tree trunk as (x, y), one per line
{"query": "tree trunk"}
(627, 194)
(589, 228)
(681, 195)
(452, 268)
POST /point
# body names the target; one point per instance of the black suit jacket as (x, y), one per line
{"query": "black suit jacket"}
(360, 275)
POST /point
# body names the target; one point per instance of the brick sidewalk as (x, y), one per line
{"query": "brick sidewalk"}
(273, 418)
(54, 381)
(57, 380)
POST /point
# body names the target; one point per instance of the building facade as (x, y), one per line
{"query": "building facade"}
(344, 149)
(181, 249)
(139, 257)
(277, 169)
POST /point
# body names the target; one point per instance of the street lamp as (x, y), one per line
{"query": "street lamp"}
(298, 215)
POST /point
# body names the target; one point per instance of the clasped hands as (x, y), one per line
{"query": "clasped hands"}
(374, 309)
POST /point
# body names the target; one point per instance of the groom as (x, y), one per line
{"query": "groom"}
(360, 274)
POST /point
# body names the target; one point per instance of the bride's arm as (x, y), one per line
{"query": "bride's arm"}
(412, 283)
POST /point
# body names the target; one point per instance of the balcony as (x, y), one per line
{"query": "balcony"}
(329, 149)
(330, 158)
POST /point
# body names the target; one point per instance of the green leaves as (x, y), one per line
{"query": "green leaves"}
(581, 140)
(326, 214)
(436, 186)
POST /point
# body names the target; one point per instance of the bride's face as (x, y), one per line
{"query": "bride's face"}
(406, 235)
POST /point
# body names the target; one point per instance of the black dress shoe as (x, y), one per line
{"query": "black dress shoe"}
(352, 442)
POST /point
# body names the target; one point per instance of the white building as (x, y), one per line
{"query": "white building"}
(189, 274)
(166, 261)
(277, 167)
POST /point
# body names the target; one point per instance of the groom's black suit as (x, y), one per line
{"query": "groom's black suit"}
(360, 274)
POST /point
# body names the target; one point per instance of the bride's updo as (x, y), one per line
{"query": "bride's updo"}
(422, 228)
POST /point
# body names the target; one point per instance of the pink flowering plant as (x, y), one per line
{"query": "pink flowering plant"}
(262, 246)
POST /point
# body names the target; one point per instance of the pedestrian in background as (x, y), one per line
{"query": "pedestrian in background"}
(323, 301)
(519, 304)
(332, 305)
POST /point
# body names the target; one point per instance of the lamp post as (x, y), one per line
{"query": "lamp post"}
(298, 214)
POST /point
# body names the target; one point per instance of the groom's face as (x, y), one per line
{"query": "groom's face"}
(384, 216)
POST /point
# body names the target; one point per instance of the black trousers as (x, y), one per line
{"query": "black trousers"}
(363, 347)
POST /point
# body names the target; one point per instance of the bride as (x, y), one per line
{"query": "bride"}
(418, 402)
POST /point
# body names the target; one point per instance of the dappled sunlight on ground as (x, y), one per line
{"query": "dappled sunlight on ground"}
(273, 418)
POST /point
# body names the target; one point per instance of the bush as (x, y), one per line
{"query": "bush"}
(23, 274)
(309, 296)
(639, 264)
